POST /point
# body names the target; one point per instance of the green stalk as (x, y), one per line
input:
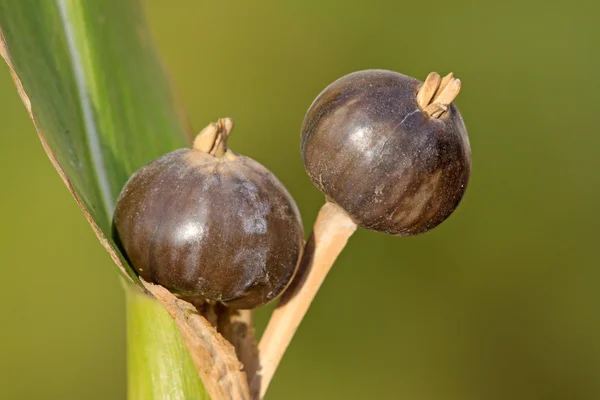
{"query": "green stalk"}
(159, 364)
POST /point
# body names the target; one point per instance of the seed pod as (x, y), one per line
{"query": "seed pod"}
(208, 223)
(392, 164)
(390, 154)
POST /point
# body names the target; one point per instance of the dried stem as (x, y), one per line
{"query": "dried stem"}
(236, 327)
(435, 95)
(331, 232)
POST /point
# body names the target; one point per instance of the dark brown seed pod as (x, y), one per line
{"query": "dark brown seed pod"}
(393, 164)
(208, 223)
(391, 154)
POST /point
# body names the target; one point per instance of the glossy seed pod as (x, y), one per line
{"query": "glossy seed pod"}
(370, 148)
(216, 227)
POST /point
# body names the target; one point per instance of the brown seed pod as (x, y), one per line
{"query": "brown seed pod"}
(391, 154)
(208, 223)
(392, 164)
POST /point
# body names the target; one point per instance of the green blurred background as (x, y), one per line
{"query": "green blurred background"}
(500, 302)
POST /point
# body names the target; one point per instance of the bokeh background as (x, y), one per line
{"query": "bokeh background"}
(500, 302)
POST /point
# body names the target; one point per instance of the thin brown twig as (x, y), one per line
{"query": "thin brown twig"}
(331, 232)
(236, 326)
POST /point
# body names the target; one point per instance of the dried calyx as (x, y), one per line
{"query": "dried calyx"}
(213, 138)
(436, 93)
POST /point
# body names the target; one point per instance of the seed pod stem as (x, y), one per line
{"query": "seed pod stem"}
(236, 327)
(331, 232)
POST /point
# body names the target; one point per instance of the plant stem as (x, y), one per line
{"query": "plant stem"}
(331, 232)
(159, 364)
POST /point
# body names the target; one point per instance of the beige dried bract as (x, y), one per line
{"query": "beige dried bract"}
(213, 138)
(435, 95)
(429, 88)
(331, 232)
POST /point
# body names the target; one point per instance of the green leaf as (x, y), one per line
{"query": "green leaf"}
(157, 372)
(102, 106)
(100, 100)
